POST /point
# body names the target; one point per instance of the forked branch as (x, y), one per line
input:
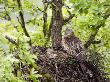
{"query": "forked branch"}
(91, 39)
(22, 22)
(70, 17)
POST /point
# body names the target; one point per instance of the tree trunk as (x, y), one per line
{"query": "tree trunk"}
(57, 23)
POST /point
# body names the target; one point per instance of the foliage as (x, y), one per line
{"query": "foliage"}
(91, 13)
(87, 14)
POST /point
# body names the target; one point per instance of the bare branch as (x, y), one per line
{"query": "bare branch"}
(70, 17)
(9, 18)
(40, 9)
(19, 20)
(7, 14)
(96, 42)
(47, 1)
(49, 31)
(92, 36)
(45, 18)
(11, 40)
(22, 21)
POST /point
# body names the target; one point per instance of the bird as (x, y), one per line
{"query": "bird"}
(75, 48)
(73, 45)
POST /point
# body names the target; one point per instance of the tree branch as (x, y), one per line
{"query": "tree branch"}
(45, 18)
(47, 1)
(7, 14)
(23, 22)
(49, 31)
(92, 36)
(9, 18)
(96, 42)
(70, 17)
(11, 40)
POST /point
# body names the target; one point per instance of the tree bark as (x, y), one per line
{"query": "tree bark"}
(57, 23)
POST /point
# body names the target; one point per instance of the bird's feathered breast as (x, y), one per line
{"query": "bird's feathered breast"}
(73, 45)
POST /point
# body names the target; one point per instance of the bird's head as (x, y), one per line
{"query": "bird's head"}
(68, 32)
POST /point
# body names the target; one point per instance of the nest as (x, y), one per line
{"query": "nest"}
(57, 66)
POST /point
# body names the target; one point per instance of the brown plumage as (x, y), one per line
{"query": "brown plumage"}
(73, 45)
(74, 48)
